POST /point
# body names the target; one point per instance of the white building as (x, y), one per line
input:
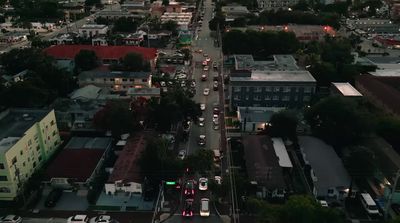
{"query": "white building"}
(275, 5)
(182, 18)
(91, 30)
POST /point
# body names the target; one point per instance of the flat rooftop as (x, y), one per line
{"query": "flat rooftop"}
(346, 89)
(89, 143)
(15, 122)
(257, 114)
(144, 91)
(113, 74)
(243, 61)
(276, 76)
(262, 163)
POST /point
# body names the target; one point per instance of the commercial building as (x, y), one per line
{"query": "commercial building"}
(91, 30)
(115, 80)
(275, 5)
(182, 18)
(277, 83)
(28, 138)
(78, 163)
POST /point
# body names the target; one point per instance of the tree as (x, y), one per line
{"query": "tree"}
(18, 60)
(302, 5)
(165, 2)
(201, 161)
(24, 94)
(389, 128)
(283, 124)
(170, 25)
(133, 62)
(360, 162)
(117, 117)
(125, 24)
(86, 60)
(339, 121)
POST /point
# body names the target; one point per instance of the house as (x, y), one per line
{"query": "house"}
(373, 26)
(91, 30)
(276, 83)
(267, 161)
(183, 19)
(63, 38)
(99, 40)
(138, 8)
(269, 5)
(234, 11)
(13, 37)
(255, 119)
(134, 39)
(344, 90)
(113, 14)
(330, 180)
(28, 138)
(125, 176)
(78, 163)
(115, 80)
(146, 93)
(106, 54)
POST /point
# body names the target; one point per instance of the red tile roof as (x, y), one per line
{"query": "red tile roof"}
(126, 167)
(103, 52)
(77, 164)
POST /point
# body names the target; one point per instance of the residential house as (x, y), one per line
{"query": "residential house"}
(146, 93)
(91, 30)
(63, 39)
(99, 40)
(137, 8)
(173, 7)
(134, 39)
(183, 19)
(113, 14)
(28, 138)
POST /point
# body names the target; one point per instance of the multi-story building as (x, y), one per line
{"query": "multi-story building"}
(277, 83)
(183, 18)
(91, 30)
(115, 80)
(234, 11)
(276, 4)
(28, 138)
(113, 14)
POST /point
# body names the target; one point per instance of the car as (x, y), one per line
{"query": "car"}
(208, 59)
(11, 219)
(202, 107)
(200, 50)
(215, 86)
(215, 77)
(215, 65)
(189, 188)
(182, 154)
(215, 118)
(187, 210)
(215, 126)
(215, 110)
(79, 218)
(193, 84)
(323, 203)
(201, 121)
(102, 219)
(163, 84)
(202, 140)
(203, 183)
(218, 179)
(205, 207)
(203, 77)
(205, 68)
(205, 55)
(204, 63)
(53, 197)
(206, 91)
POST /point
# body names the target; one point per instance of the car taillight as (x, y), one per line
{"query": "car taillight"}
(192, 191)
(191, 213)
(183, 213)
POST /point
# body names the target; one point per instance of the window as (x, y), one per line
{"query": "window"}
(247, 89)
(14, 160)
(257, 98)
(34, 164)
(247, 97)
(3, 178)
(236, 97)
(306, 98)
(23, 164)
(296, 98)
(111, 79)
(21, 152)
(277, 89)
(40, 158)
(36, 137)
(257, 89)
(37, 148)
(5, 190)
(144, 80)
(2, 166)
(54, 132)
(124, 79)
(236, 89)
(275, 98)
(286, 89)
(52, 122)
(268, 97)
(105, 79)
(268, 89)
(29, 142)
(285, 98)
(307, 89)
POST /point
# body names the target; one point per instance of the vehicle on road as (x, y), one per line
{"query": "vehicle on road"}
(102, 219)
(215, 110)
(11, 219)
(203, 77)
(215, 77)
(202, 140)
(189, 188)
(206, 68)
(182, 154)
(208, 59)
(53, 197)
(369, 204)
(201, 121)
(205, 207)
(216, 126)
(215, 86)
(202, 106)
(188, 210)
(218, 179)
(323, 203)
(206, 91)
(205, 55)
(203, 183)
(215, 65)
(79, 218)
(193, 84)
(204, 63)
(215, 119)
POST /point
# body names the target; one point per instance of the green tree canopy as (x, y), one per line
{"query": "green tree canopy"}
(125, 24)
(283, 124)
(360, 162)
(133, 62)
(170, 25)
(86, 60)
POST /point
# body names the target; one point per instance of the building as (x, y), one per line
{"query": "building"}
(13, 37)
(113, 14)
(277, 83)
(267, 161)
(78, 163)
(63, 39)
(330, 179)
(125, 176)
(28, 138)
(328, 2)
(146, 93)
(134, 39)
(344, 89)
(99, 40)
(91, 30)
(10, 79)
(183, 19)
(234, 11)
(381, 91)
(373, 26)
(185, 38)
(173, 7)
(255, 119)
(106, 54)
(275, 5)
(137, 8)
(115, 80)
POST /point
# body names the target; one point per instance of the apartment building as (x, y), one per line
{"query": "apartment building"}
(276, 4)
(115, 80)
(28, 138)
(276, 83)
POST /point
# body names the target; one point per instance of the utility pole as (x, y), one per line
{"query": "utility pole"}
(389, 201)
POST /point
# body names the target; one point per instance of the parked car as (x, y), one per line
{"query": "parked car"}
(53, 197)
(205, 68)
(79, 218)
(189, 188)
(205, 207)
(204, 63)
(202, 107)
(205, 55)
(188, 210)
(215, 110)
(11, 219)
(182, 154)
(218, 179)
(216, 126)
(208, 59)
(102, 219)
(215, 85)
(323, 203)
(202, 140)
(203, 77)
(203, 183)
(206, 91)
(215, 119)
(201, 121)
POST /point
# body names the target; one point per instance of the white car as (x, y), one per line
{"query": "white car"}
(181, 76)
(208, 59)
(193, 84)
(215, 126)
(11, 219)
(206, 91)
(182, 154)
(323, 203)
(79, 218)
(205, 68)
(201, 121)
(101, 219)
(202, 107)
(215, 119)
(163, 84)
(218, 179)
(203, 183)
(205, 207)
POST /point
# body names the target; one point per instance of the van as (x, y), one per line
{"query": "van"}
(369, 204)
(204, 207)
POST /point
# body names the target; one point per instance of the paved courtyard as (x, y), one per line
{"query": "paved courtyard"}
(69, 201)
(125, 202)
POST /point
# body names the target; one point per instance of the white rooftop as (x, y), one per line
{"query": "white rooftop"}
(278, 76)
(281, 153)
(346, 89)
(387, 73)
